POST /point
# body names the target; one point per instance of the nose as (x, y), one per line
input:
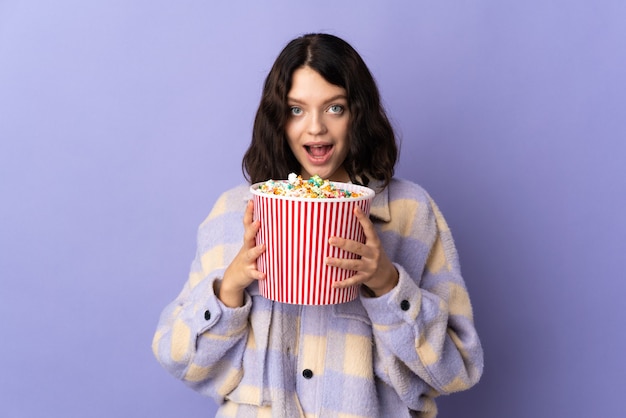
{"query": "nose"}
(316, 124)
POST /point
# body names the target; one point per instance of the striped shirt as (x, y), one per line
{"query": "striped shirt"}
(388, 356)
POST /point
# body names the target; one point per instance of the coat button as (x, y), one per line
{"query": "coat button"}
(307, 373)
(207, 315)
(405, 305)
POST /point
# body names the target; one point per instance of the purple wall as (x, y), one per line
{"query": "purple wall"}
(120, 122)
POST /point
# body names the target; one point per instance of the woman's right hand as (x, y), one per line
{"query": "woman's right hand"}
(243, 269)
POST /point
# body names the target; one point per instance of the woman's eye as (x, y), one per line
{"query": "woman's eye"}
(295, 110)
(337, 109)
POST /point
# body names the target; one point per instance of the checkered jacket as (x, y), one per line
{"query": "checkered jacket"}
(373, 357)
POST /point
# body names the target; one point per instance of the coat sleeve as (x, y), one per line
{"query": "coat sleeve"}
(198, 339)
(426, 342)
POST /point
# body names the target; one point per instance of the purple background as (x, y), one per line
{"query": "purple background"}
(121, 122)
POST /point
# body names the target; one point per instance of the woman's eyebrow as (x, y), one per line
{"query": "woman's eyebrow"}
(331, 99)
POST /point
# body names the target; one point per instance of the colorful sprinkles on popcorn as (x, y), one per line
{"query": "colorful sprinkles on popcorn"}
(315, 187)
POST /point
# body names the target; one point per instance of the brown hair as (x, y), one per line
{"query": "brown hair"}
(373, 149)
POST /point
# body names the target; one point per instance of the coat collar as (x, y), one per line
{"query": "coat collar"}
(380, 204)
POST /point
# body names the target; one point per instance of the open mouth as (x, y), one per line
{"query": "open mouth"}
(318, 151)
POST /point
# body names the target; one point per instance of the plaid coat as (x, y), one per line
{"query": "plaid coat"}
(373, 357)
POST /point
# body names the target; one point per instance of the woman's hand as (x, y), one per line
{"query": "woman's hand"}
(373, 269)
(243, 269)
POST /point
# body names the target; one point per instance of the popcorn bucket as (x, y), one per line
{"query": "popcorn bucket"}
(295, 231)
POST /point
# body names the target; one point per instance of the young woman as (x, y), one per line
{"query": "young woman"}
(408, 338)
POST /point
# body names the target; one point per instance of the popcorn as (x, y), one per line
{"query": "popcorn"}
(297, 218)
(315, 187)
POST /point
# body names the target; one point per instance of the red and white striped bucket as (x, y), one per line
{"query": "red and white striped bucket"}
(296, 232)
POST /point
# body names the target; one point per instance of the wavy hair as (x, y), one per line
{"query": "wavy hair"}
(373, 149)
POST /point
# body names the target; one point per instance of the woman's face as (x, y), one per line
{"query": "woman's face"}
(317, 126)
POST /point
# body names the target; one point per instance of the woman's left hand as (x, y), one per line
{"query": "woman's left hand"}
(373, 268)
